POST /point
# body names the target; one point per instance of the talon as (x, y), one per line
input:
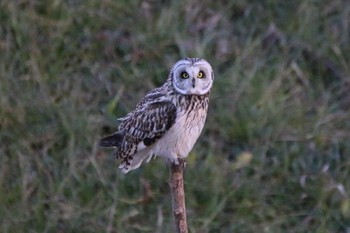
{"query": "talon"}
(176, 161)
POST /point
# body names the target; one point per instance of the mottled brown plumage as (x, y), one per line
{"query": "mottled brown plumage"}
(168, 120)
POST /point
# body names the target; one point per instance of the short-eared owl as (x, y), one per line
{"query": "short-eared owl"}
(168, 120)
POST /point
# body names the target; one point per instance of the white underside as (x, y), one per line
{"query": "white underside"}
(180, 139)
(176, 143)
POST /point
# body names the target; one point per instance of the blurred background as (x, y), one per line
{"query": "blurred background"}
(275, 152)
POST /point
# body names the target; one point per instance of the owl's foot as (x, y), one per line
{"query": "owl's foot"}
(177, 162)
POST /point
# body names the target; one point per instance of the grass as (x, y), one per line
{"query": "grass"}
(274, 155)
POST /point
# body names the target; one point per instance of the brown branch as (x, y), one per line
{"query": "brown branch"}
(176, 183)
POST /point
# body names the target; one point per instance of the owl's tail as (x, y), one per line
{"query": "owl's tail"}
(131, 163)
(113, 140)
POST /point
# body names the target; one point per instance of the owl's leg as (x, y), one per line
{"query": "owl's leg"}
(172, 159)
(176, 160)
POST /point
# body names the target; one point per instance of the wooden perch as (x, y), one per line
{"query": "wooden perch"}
(176, 183)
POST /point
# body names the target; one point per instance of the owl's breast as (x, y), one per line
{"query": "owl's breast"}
(182, 136)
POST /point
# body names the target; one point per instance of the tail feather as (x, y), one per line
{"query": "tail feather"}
(131, 163)
(113, 140)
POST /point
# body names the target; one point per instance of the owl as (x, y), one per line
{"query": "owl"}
(168, 120)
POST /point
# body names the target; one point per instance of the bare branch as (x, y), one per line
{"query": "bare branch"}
(176, 183)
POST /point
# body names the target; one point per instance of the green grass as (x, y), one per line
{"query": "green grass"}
(274, 155)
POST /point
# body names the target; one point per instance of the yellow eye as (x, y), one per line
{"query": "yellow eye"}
(184, 75)
(200, 74)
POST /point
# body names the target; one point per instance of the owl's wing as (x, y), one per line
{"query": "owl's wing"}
(149, 123)
(140, 129)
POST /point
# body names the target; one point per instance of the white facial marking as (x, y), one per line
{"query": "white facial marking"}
(192, 85)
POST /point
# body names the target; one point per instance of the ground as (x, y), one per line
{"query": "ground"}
(274, 154)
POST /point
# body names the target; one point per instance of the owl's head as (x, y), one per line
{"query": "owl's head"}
(192, 76)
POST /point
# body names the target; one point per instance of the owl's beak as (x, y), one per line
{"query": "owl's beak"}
(193, 83)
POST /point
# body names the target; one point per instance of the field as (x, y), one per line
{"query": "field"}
(275, 152)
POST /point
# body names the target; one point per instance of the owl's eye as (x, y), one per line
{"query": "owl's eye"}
(200, 74)
(184, 75)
